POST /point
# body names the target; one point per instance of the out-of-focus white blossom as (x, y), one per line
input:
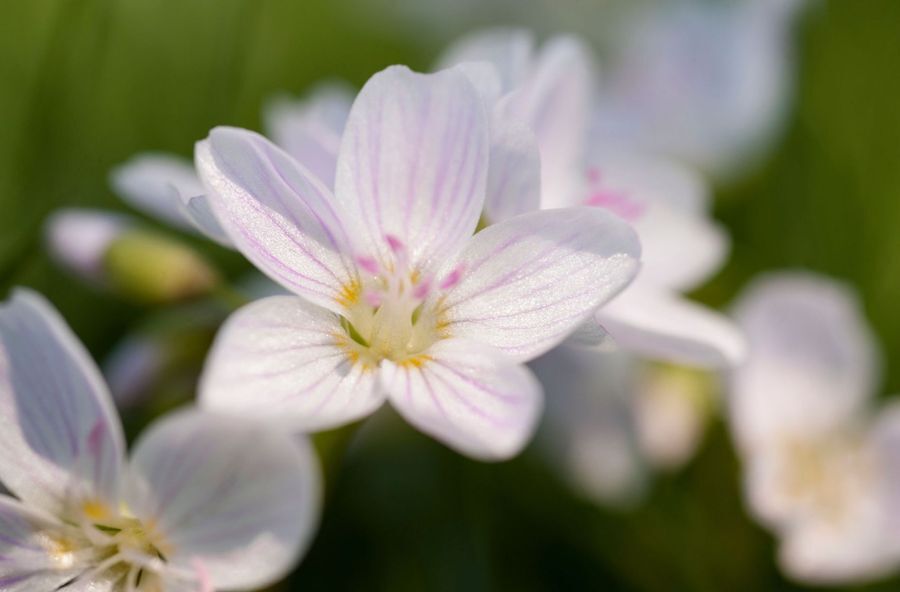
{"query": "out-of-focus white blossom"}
(821, 461)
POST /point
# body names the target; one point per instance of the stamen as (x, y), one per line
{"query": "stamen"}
(369, 264)
(420, 292)
(452, 278)
(395, 244)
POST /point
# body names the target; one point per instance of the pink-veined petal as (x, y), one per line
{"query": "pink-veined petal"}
(310, 129)
(468, 396)
(812, 361)
(665, 326)
(285, 360)
(413, 163)
(28, 562)
(277, 214)
(530, 281)
(237, 497)
(59, 432)
(510, 51)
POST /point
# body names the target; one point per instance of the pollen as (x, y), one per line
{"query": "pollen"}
(349, 293)
(414, 362)
(95, 510)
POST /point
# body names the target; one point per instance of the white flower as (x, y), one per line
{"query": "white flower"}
(551, 93)
(206, 502)
(397, 299)
(604, 421)
(821, 467)
(166, 186)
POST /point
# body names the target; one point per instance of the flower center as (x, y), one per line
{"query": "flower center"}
(391, 314)
(827, 474)
(112, 546)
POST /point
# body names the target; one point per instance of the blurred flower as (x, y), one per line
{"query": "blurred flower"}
(551, 93)
(612, 419)
(821, 466)
(167, 187)
(113, 251)
(206, 502)
(397, 299)
(706, 82)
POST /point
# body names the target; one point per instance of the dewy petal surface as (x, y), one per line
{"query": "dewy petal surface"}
(530, 281)
(310, 129)
(278, 215)
(285, 360)
(665, 326)
(238, 497)
(413, 163)
(812, 364)
(468, 396)
(27, 563)
(58, 428)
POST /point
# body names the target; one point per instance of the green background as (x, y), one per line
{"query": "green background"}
(88, 83)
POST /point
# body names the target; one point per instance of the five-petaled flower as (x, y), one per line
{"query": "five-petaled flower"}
(207, 502)
(397, 299)
(820, 461)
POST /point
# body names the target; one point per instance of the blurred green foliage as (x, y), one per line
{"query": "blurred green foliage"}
(88, 83)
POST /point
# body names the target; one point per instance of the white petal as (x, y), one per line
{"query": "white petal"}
(667, 327)
(812, 360)
(589, 431)
(667, 204)
(529, 282)
(508, 50)
(277, 214)
(468, 396)
(58, 427)
(78, 239)
(240, 498)
(555, 102)
(514, 178)
(200, 214)
(27, 563)
(647, 177)
(282, 359)
(310, 129)
(413, 164)
(158, 184)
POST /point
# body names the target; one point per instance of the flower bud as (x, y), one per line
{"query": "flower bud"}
(78, 239)
(111, 251)
(155, 269)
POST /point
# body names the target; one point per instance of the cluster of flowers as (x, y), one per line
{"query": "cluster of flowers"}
(456, 244)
